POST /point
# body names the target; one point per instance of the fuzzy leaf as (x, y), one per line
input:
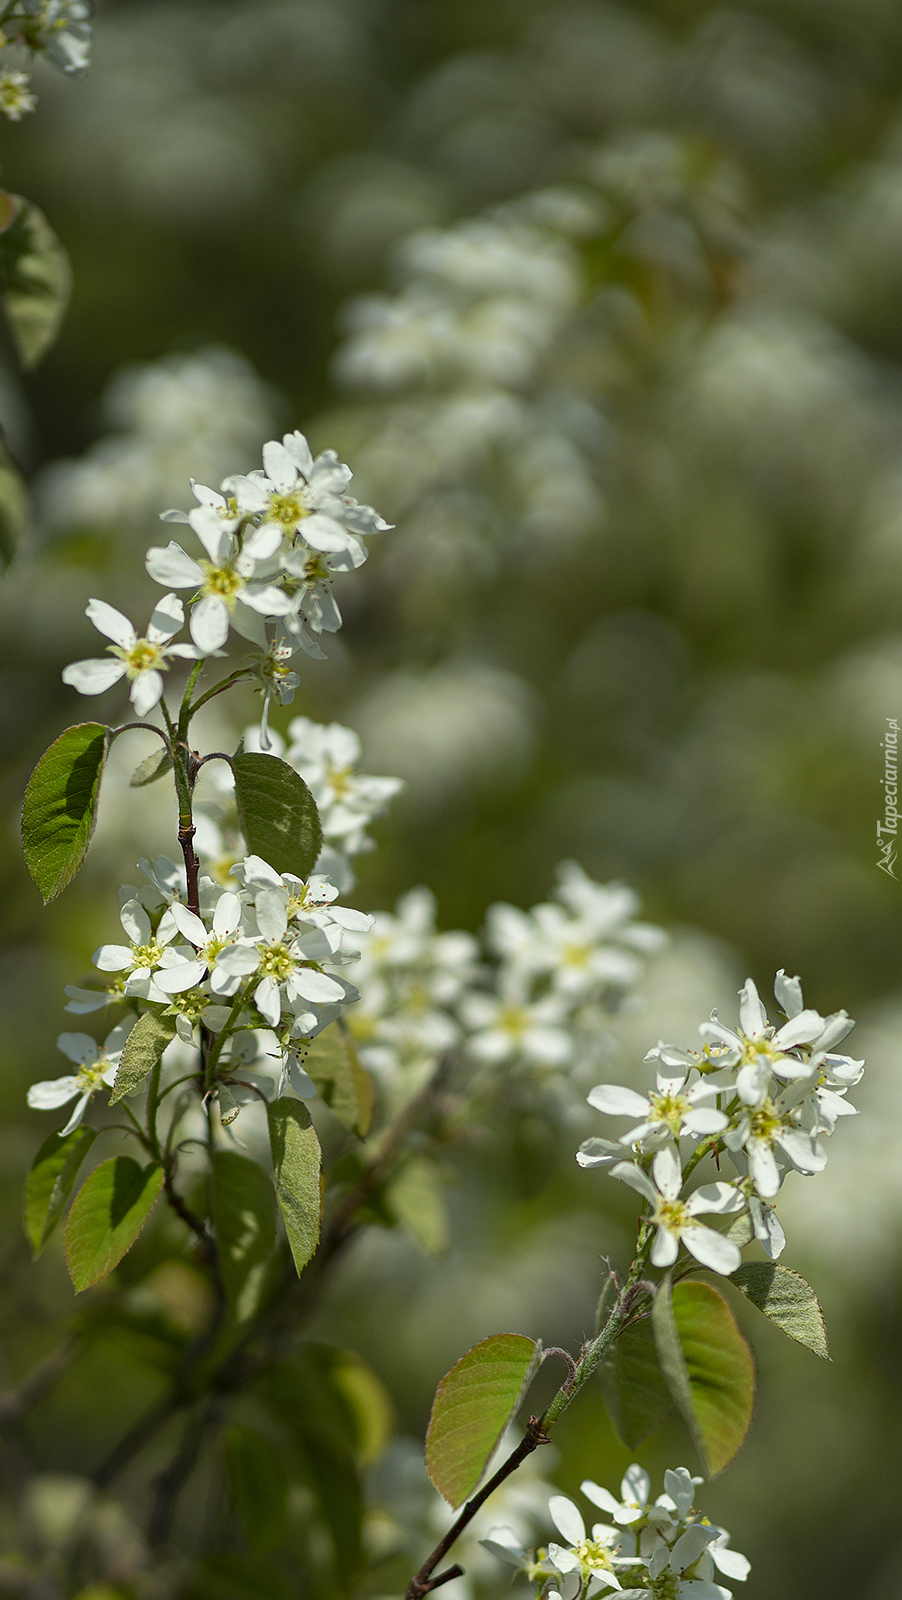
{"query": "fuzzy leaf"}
(277, 813)
(154, 766)
(709, 1368)
(473, 1405)
(343, 1083)
(49, 1185)
(244, 1216)
(143, 1049)
(297, 1166)
(785, 1297)
(13, 506)
(35, 280)
(634, 1388)
(60, 806)
(107, 1215)
(416, 1198)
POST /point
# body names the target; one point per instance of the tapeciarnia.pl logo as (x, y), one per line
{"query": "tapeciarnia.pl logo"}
(887, 829)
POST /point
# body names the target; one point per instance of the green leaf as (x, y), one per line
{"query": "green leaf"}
(143, 1049)
(13, 506)
(35, 279)
(49, 1184)
(633, 1385)
(244, 1216)
(277, 813)
(473, 1405)
(709, 1368)
(259, 1485)
(154, 766)
(297, 1165)
(368, 1403)
(785, 1297)
(416, 1198)
(343, 1083)
(60, 806)
(107, 1215)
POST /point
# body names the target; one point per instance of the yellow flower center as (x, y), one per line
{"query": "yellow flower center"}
(592, 1554)
(191, 1004)
(513, 1020)
(287, 508)
(339, 780)
(222, 581)
(673, 1215)
(669, 1109)
(277, 962)
(577, 955)
(91, 1075)
(142, 657)
(766, 1122)
(146, 955)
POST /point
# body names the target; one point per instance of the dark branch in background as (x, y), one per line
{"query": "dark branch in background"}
(15, 1402)
(171, 1481)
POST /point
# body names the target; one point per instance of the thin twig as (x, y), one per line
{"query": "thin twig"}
(15, 1402)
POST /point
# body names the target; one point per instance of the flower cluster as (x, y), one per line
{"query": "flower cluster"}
(661, 1551)
(273, 542)
(261, 955)
(759, 1096)
(326, 756)
(57, 29)
(554, 972)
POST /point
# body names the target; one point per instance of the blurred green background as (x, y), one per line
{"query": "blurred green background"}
(640, 608)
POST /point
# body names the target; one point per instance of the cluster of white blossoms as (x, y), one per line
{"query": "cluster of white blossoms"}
(260, 956)
(273, 542)
(760, 1097)
(554, 973)
(326, 756)
(57, 29)
(661, 1551)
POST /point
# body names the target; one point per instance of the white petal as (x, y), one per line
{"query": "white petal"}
(272, 914)
(146, 691)
(690, 1545)
(323, 533)
(168, 617)
(135, 921)
(353, 921)
(668, 1171)
(628, 1172)
(77, 1115)
(617, 1101)
(227, 915)
(268, 1001)
(188, 924)
(752, 1015)
(679, 1485)
(599, 1497)
(52, 1092)
(111, 623)
(665, 1249)
(113, 957)
(237, 961)
(299, 450)
(731, 1562)
(267, 600)
(315, 986)
(802, 1150)
(263, 542)
(173, 567)
(712, 1249)
(704, 1121)
(763, 1167)
(78, 1047)
(83, 1001)
(210, 623)
(175, 979)
(93, 677)
(636, 1484)
(278, 465)
(213, 533)
(808, 1025)
(566, 1518)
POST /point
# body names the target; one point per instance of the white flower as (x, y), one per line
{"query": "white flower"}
(97, 1066)
(296, 494)
(633, 1504)
(187, 971)
(590, 1557)
(773, 1122)
(61, 30)
(326, 756)
(504, 1026)
(281, 959)
(674, 1217)
(224, 583)
(15, 99)
(757, 1048)
(143, 954)
(666, 1112)
(140, 660)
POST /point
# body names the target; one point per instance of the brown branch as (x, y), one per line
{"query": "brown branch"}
(15, 1402)
(423, 1581)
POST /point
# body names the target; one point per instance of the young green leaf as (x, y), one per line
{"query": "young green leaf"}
(277, 813)
(297, 1165)
(785, 1297)
(49, 1184)
(259, 1485)
(244, 1216)
(709, 1368)
(154, 766)
(633, 1385)
(416, 1198)
(107, 1215)
(473, 1405)
(35, 280)
(60, 806)
(143, 1049)
(343, 1083)
(13, 506)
